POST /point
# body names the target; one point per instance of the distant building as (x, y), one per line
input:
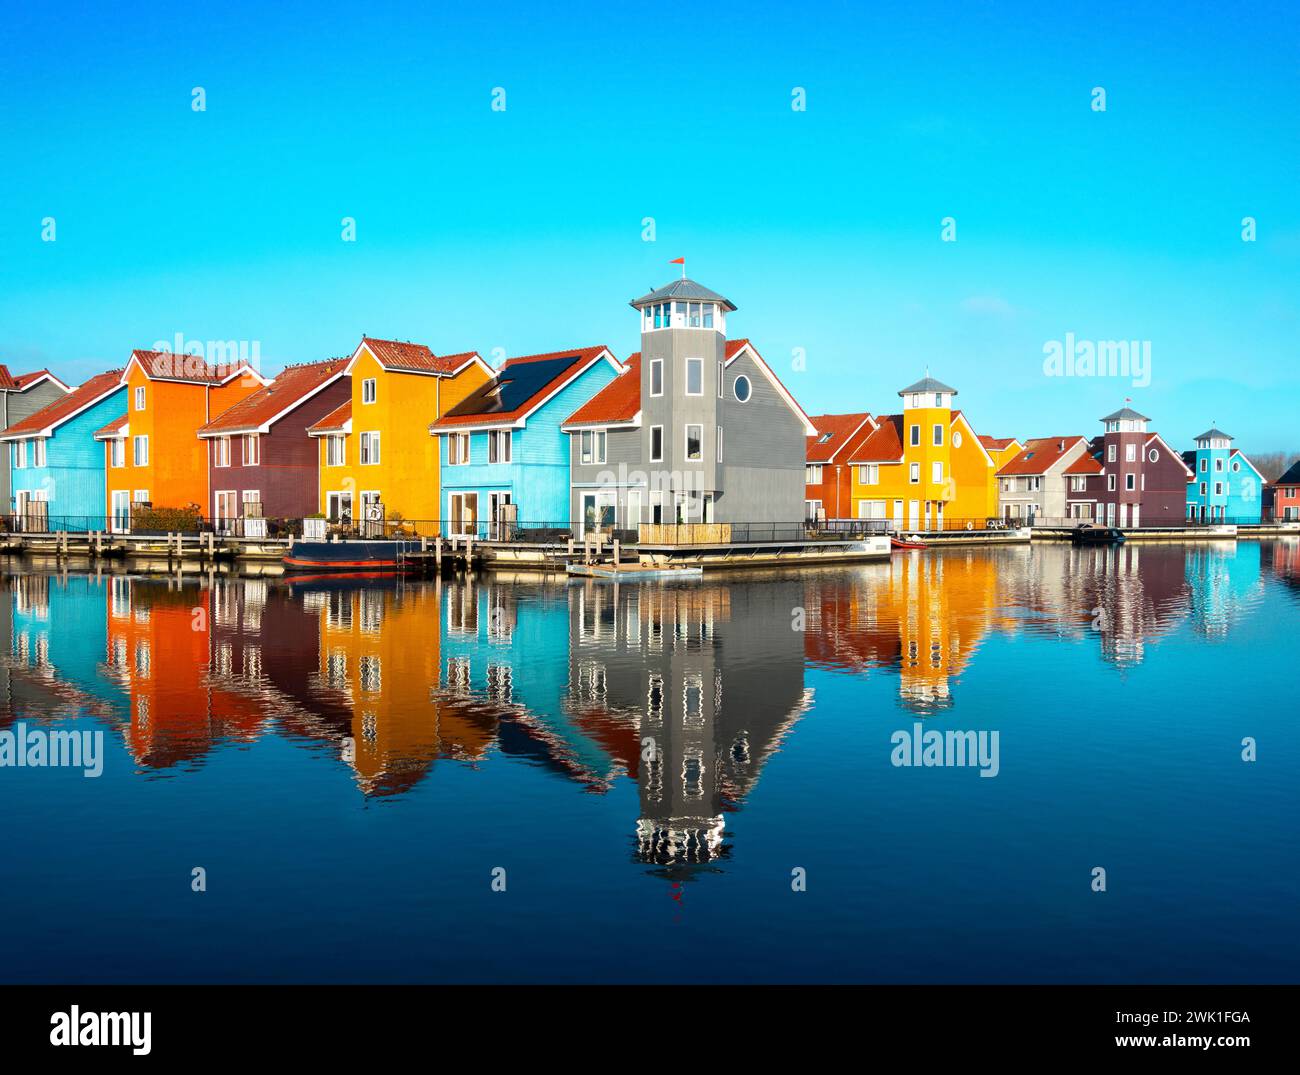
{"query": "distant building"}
(1032, 484)
(1226, 486)
(698, 430)
(1132, 477)
(828, 476)
(20, 396)
(1286, 494)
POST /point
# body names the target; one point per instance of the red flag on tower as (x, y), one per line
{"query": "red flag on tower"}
(681, 262)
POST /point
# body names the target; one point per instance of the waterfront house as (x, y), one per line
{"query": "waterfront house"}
(151, 454)
(1032, 484)
(20, 396)
(377, 460)
(925, 468)
(1226, 486)
(1286, 495)
(504, 455)
(261, 463)
(829, 483)
(697, 430)
(1001, 449)
(1135, 478)
(57, 469)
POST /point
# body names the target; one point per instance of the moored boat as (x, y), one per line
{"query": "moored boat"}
(1097, 535)
(367, 556)
(912, 542)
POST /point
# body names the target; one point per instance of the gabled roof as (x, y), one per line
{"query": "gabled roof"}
(522, 386)
(117, 428)
(1085, 464)
(997, 444)
(42, 423)
(1165, 444)
(1040, 454)
(183, 368)
(618, 403)
(926, 384)
(682, 289)
(339, 420)
(1291, 476)
(1213, 432)
(834, 432)
(20, 382)
(735, 348)
(1125, 413)
(292, 386)
(885, 445)
(397, 356)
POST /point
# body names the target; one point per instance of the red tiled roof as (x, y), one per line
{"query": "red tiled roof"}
(885, 445)
(840, 427)
(734, 347)
(996, 444)
(113, 429)
(618, 402)
(1085, 464)
(482, 407)
(335, 420)
(290, 387)
(413, 357)
(176, 366)
(16, 383)
(1040, 454)
(102, 384)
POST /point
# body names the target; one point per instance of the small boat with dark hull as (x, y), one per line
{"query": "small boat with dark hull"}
(352, 556)
(1097, 535)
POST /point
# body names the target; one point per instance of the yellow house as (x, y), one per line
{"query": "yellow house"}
(375, 450)
(1002, 449)
(925, 469)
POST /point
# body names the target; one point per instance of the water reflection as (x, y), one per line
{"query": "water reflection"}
(687, 690)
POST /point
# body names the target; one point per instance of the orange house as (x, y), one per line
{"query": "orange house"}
(152, 454)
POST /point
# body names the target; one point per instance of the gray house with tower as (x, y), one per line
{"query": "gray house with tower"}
(697, 430)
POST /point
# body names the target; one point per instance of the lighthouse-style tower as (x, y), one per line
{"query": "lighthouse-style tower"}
(683, 380)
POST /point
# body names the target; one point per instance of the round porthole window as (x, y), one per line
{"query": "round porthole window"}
(1153, 455)
(742, 389)
(1236, 467)
(956, 439)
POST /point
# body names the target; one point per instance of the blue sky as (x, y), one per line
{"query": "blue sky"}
(522, 230)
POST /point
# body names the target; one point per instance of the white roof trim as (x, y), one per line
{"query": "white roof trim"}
(1176, 455)
(265, 427)
(48, 431)
(961, 417)
(809, 429)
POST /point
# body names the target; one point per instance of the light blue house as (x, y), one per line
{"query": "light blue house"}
(504, 459)
(56, 467)
(1225, 486)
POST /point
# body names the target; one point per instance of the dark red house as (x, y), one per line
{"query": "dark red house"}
(1134, 479)
(261, 462)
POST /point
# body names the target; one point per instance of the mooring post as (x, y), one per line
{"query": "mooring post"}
(437, 552)
(614, 547)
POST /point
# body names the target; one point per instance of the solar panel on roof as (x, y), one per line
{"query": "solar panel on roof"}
(513, 386)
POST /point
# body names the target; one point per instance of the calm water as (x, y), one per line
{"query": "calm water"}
(350, 763)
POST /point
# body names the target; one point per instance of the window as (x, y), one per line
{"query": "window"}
(1130, 453)
(656, 444)
(869, 474)
(1130, 482)
(251, 496)
(721, 378)
(592, 448)
(370, 448)
(1110, 482)
(252, 450)
(742, 389)
(708, 315)
(916, 399)
(140, 451)
(457, 449)
(694, 442)
(1205, 464)
(693, 315)
(914, 474)
(141, 496)
(38, 452)
(220, 452)
(335, 450)
(956, 439)
(20, 454)
(139, 398)
(1235, 465)
(1153, 455)
(368, 390)
(1218, 488)
(812, 474)
(500, 448)
(1110, 453)
(719, 444)
(1218, 465)
(914, 435)
(1203, 488)
(695, 376)
(656, 376)
(117, 453)
(936, 473)
(938, 435)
